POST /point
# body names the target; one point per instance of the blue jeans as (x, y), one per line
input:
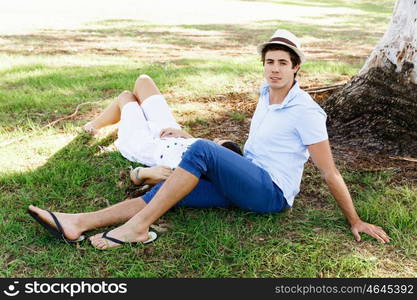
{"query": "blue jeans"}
(226, 179)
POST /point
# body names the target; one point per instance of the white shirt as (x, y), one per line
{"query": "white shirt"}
(279, 135)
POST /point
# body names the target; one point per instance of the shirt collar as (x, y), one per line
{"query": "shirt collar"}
(294, 91)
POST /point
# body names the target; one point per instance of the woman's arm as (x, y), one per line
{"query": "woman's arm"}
(149, 175)
(172, 132)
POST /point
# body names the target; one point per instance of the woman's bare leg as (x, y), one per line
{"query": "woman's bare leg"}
(144, 88)
(75, 224)
(111, 114)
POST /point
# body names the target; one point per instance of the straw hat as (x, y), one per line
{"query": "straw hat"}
(286, 38)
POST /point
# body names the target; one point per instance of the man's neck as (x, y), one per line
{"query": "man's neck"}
(277, 96)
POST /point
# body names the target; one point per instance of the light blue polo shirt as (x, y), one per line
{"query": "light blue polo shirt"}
(279, 135)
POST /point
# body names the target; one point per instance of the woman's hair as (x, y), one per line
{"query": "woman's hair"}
(232, 146)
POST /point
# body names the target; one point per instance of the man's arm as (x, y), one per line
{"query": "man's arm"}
(322, 157)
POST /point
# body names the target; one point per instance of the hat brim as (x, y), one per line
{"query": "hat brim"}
(295, 49)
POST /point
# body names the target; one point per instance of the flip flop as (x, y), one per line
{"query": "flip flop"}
(152, 237)
(56, 232)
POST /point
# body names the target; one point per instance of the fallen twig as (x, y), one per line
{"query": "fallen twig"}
(324, 88)
(48, 125)
(377, 170)
(404, 158)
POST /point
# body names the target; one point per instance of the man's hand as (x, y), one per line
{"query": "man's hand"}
(322, 158)
(173, 132)
(374, 231)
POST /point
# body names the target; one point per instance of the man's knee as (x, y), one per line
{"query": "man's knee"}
(201, 147)
(202, 144)
(198, 158)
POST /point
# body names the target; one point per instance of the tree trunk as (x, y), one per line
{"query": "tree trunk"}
(377, 110)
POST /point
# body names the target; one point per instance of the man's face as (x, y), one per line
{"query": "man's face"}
(278, 70)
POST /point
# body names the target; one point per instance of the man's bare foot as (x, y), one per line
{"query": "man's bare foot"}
(89, 128)
(69, 222)
(124, 233)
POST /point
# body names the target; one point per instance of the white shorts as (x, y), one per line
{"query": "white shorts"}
(139, 129)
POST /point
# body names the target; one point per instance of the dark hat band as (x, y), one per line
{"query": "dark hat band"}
(280, 39)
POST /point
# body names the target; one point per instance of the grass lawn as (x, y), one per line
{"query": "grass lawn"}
(210, 75)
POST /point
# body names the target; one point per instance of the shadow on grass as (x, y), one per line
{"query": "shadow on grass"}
(84, 176)
(74, 172)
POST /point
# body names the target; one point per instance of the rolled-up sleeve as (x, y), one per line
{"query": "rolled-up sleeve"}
(311, 127)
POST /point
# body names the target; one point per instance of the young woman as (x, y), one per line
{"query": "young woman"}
(147, 133)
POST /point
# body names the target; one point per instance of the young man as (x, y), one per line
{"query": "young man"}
(286, 128)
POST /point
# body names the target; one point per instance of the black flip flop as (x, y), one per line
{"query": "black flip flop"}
(56, 232)
(152, 237)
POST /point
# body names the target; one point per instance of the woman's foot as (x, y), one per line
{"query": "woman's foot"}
(70, 222)
(89, 128)
(125, 233)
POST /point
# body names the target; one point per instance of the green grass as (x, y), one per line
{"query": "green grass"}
(308, 242)
(393, 207)
(34, 94)
(237, 116)
(321, 68)
(60, 169)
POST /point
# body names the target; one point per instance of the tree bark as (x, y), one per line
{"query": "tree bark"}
(377, 109)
